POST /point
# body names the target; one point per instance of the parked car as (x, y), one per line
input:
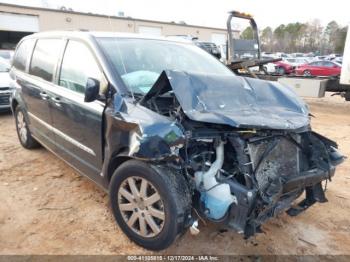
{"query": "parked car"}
(269, 55)
(6, 54)
(169, 131)
(319, 68)
(338, 60)
(4, 85)
(296, 61)
(332, 56)
(297, 54)
(322, 57)
(270, 68)
(283, 68)
(211, 48)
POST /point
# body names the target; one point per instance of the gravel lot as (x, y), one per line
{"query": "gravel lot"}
(47, 208)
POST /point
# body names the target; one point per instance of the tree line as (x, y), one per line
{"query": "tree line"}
(301, 37)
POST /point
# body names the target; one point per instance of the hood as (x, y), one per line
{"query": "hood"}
(236, 101)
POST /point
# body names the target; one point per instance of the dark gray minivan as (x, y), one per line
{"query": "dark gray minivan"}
(171, 133)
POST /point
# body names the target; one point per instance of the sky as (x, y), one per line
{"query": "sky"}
(210, 13)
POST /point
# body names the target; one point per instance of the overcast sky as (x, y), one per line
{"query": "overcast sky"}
(210, 13)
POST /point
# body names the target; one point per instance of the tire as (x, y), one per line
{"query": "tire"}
(281, 71)
(347, 96)
(23, 132)
(307, 73)
(174, 204)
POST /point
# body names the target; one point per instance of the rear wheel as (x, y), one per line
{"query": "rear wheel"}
(307, 73)
(149, 204)
(23, 132)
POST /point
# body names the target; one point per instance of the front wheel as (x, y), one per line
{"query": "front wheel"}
(150, 204)
(281, 71)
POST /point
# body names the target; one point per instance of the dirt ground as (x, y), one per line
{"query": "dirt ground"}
(47, 208)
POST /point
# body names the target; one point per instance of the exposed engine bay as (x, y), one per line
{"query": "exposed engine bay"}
(240, 172)
(243, 179)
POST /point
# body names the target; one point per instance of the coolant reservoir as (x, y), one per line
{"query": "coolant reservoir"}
(218, 200)
(216, 197)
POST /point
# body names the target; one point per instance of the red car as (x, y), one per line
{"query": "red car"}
(319, 68)
(283, 68)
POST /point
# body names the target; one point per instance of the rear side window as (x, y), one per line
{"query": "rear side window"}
(45, 56)
(316, 63)
(22, 54)
(328, 64)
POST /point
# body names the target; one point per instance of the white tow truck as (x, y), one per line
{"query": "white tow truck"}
(306, 86)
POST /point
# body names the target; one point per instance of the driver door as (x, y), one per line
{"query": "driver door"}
(78, 124)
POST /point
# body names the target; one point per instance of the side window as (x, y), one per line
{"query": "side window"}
(328, 64)
(21, 57)
(316, 64)
(77, 66)
(45, 57)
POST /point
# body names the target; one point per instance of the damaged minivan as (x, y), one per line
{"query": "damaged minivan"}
(171, 133)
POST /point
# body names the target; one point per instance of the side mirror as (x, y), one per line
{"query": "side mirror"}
(92, 90)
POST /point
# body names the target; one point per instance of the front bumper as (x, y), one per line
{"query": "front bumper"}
(307, 179)
(289, 169)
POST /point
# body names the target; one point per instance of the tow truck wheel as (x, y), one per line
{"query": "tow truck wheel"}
(150, 204)
(347, 96)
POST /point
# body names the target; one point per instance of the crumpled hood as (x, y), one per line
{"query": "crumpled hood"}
(236, 101)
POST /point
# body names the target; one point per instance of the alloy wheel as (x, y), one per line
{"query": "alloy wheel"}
(307, 73)
(141, 206)
(22, 127)
(281, 71)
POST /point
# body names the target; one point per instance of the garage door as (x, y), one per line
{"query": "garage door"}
(150, 30)
(18, 22)
(218, 39)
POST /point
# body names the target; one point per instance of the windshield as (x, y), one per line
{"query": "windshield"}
(139, 62)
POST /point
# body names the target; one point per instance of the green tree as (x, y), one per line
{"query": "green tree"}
(340, 40)
(294, 33)
(247, 33)
(267, 39)
(279, 36)
(330, 36)
(313, 36)
(302, 37)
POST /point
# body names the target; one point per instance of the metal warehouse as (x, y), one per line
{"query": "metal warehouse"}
(17, 21)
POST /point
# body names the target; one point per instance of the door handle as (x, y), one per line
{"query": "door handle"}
(44, 95)
(57, 101)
